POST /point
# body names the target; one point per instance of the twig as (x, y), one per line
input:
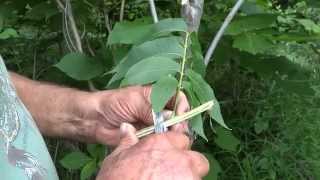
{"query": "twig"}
(221, 31)
(107, 21)
(183, 62)
(178, 119)
(90, 48)
(74, 27)
(153, 11)
(60, 5)
(123, 3)
(68, 17)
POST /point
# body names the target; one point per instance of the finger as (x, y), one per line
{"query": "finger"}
(199, 163)
(147, 116)
(128, 137)
(181, 127)
(107, 136)
(183, 104)
(178, 140)
(166, 114)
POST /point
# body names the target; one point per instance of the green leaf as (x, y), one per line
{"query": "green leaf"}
(150, 70)
(80, 67)
(197, 126)
(260, 126)
(128, 32)
(205, 93)
(250, 23)
(216, 114)
(197, 60)
(309, 25)
(42, 10)
(8, 33)
(166, 47)
(88, 170)
(96, 150)
(215, 168)
(226, 140)
(298, 77)
(162, 91)
(297, 37)
(253, 7)
(75, 160)
(196, 122)
(252, 43)
(139, 32)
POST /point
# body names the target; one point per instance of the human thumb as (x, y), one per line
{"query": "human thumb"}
(128, 137)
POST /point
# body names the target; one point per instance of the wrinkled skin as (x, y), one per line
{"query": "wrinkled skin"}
(97, 116)
(93, 117)
(157, 157)
(131, 105)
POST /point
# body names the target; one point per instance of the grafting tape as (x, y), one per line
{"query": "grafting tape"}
(158, 121)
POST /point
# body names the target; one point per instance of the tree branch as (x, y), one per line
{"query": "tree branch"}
(74, 27)
(123, 3)
(221, 31)
(107, 21)
(153, 11)
(60, 5)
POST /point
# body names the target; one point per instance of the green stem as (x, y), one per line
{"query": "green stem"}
(184, 59)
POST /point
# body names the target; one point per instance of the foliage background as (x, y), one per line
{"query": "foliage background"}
(266, 76)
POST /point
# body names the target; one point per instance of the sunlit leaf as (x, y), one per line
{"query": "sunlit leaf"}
(8, 33)
(309, 25)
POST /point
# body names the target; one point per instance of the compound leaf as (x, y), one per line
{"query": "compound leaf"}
(137, 32)
(205, 93)
(162, 91)
(150, 70)
(166, 47)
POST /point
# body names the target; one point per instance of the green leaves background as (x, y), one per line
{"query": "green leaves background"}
(271, 47)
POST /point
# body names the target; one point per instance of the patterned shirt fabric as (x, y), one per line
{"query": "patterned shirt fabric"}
(23, 152)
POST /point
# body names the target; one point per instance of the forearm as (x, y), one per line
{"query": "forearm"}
(56, 110)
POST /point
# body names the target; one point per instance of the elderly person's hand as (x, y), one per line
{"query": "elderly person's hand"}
(157, 157)
(108, 109)
(89, 116)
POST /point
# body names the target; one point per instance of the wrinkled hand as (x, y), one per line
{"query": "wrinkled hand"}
(108, 109)
(157, 157)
